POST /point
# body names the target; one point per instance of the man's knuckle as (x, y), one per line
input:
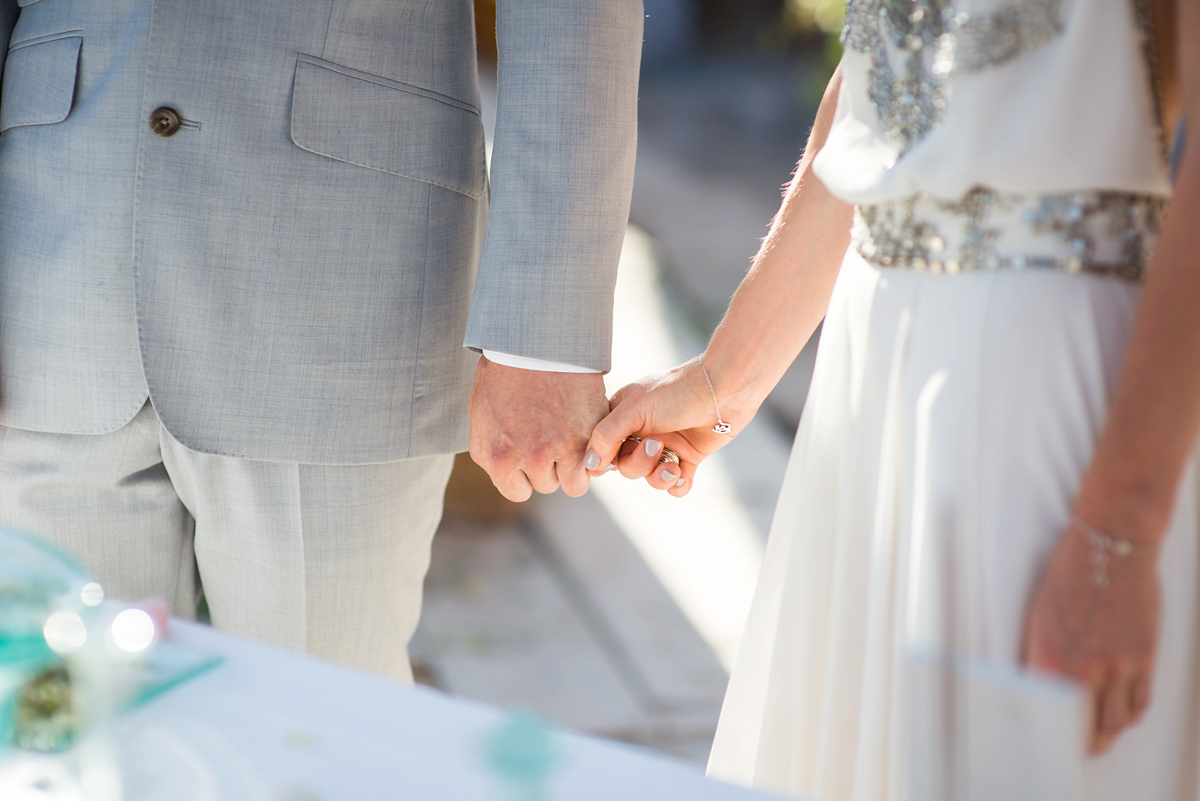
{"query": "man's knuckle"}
(498, 453)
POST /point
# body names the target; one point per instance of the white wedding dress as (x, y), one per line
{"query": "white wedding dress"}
(1008, 164)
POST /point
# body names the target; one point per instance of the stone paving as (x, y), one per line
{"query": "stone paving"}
(568, 621)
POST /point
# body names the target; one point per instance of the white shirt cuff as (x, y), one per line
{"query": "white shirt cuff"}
(526, 363)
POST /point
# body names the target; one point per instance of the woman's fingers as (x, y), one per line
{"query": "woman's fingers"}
(666, 474)
(1119, 704)
(641, 460)
(666, 461)
(1111, 705)
(610, 434)
(1139, 694)
(683, 484)
(674, 478)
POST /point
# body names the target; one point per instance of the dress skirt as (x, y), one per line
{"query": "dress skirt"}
(947, 428)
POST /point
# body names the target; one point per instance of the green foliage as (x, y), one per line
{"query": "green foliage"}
(826, 16)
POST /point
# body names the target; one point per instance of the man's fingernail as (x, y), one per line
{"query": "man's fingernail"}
(681, 481)
(591, 461)
(652, 447)
(667, 475)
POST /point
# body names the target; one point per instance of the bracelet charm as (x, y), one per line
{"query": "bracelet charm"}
(1103, 546)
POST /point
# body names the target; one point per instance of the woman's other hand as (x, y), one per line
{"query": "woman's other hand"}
(673, 410)
(1106, 636)
(1095, 619)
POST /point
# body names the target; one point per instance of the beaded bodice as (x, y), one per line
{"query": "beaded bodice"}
(936, 40)
(1000, 134)
(1102, 233)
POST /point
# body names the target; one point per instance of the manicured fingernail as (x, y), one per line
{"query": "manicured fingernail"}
(681, 481)
(652, 447)
(667, 475)
(610, 468)
(591, 461)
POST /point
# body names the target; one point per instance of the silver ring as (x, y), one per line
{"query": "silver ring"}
(668, 455)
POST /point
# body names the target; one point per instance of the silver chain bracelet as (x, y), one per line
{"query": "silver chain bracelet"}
(721, 427)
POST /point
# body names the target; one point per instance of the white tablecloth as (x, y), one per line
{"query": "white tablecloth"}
(270, 725)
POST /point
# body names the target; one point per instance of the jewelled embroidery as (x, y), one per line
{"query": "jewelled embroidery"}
(1144, 17)
(914, 233)
(937, 40)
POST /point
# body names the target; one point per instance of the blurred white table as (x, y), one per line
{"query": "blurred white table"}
(270, 725)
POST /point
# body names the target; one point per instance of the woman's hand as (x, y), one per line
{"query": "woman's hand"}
(1102, 635)
(674, 410)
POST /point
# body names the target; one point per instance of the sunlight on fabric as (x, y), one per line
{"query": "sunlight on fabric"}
(704, 549)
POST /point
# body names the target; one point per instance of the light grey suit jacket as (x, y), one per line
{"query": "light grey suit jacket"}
(289, 276)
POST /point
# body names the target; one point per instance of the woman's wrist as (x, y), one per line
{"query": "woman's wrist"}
(734, 391)
(1132, 511)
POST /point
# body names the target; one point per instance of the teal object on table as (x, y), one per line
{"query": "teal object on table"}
(35, 581)
(522, 755)
(37, 687)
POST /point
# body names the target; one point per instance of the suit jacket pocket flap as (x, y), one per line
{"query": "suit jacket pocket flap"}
(388, 126)
(39, 81)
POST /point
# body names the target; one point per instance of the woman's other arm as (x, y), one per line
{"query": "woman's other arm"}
(1106, 636)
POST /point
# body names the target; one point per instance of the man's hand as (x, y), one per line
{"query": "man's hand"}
(529, 428)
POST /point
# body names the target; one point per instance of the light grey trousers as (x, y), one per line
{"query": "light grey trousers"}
(327, 559)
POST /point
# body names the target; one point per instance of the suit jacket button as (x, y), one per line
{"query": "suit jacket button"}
(164, 121)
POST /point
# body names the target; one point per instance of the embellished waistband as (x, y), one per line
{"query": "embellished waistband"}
(1106, 233)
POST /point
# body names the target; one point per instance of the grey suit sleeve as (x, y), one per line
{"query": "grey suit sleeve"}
(8, 18)
(562, 175)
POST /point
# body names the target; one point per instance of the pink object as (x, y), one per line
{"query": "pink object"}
(159, 611)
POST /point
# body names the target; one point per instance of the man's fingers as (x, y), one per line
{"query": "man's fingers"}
(542, 477)
(573, 478)
(514, 485)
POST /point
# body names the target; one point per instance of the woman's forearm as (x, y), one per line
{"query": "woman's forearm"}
(773, 314)
(1155, 416)
(1152, 426)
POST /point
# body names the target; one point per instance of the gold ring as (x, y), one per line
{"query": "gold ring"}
(668, 455)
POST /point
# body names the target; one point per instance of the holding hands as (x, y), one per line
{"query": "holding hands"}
(538, 431)
(531, 432)
(675, 413)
